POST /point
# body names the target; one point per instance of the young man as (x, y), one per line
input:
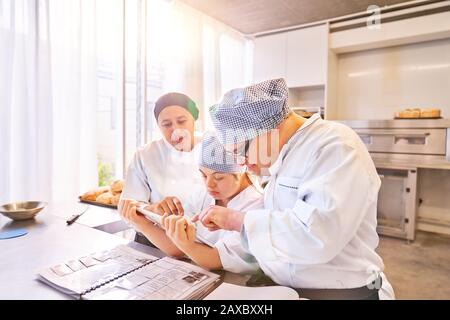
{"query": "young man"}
(317, 231)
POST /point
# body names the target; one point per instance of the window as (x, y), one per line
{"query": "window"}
(158, 47)
(81, 110)
(109, 23)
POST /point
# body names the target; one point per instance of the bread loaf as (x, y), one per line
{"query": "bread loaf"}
(117, 186)
(105, 198)
(90, 196)
(115, 199)
(430, 113)
(418, 113)
(93, 194)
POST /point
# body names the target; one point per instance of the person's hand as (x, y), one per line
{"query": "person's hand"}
(216, 217)
(128, 212)
(169, 205)
(179, 230)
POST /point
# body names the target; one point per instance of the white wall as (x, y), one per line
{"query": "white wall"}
(374, 84)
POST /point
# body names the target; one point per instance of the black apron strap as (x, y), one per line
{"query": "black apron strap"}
(362, 293)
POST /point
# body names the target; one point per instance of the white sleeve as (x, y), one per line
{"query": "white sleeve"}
(234, 257)
(332, 200)
(136, 183)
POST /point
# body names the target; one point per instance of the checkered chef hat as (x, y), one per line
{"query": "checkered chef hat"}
(245, 113)
(213, 156)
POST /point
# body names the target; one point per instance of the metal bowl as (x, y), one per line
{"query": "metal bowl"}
(22, 210)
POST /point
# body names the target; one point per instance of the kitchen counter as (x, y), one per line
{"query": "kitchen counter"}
(50, 241)
(410, 161)
(94, 217)
(397, 123)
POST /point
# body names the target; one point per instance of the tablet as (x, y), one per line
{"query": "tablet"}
(157, 219)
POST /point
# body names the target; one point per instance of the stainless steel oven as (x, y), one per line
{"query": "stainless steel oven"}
(400, 149)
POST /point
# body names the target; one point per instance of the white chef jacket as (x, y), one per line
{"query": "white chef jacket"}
(318, 226)
(158, 170)
(233, 256)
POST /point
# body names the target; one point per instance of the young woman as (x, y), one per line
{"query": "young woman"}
(227, 186)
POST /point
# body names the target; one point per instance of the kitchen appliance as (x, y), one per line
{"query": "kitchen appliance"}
(400, 148)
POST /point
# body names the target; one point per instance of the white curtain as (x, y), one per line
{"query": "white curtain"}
(47, 99)
(49, 77)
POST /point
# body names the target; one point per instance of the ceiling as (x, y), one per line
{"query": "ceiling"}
(255, 16)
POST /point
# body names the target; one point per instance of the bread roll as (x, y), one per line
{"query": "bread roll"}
(409, 113)
(117, 186)
(115, 199)
(93, 194)
(89, 196)
(430, 113)
(102, 190)
(105, 198)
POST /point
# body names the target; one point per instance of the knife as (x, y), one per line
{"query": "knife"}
(75, 217)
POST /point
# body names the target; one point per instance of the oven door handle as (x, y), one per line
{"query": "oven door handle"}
(399, 135)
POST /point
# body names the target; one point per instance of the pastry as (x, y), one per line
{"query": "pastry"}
(89, 196)
(418, 113)
(409, 113)
(105, 198)
(102, 190)
(430, 113)
(93, 194)
(117, 186)
(115, 199)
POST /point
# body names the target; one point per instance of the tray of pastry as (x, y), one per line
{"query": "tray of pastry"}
(421, 118)
(107, 196)
(95, 203)
(417, 113)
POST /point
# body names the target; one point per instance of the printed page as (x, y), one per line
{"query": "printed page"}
(75, 276)
(227, 291)
(165, 279)
(125, 273)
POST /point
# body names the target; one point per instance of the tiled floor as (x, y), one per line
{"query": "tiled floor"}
(419, 270)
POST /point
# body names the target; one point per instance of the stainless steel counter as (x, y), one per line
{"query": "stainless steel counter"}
(399, 123)
(94, 217)
(410, 161)
(50, 241)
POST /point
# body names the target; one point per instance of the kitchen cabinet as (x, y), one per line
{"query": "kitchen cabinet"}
(306, 56)
(299, 56)
(270, 57)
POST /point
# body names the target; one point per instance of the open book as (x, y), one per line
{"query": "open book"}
(156, 218)
(124, 273)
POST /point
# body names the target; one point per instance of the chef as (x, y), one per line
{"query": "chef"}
(317, 231)
(164, 174)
